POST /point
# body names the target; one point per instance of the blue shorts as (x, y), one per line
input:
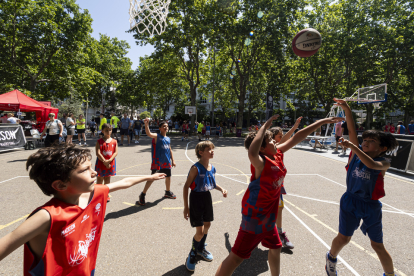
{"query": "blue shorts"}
(137, 131)
(353, 209)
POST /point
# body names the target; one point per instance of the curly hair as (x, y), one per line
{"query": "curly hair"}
(275, 131)
(202, 146)
(386, 139)
(55, 163)
(250, 137)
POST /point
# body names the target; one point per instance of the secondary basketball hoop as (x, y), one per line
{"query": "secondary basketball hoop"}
(148, 15)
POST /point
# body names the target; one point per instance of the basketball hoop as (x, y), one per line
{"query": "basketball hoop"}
(148, 15)
(190, 113)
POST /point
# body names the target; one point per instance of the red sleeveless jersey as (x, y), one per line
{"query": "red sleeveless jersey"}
(73, 240)
(260, 202)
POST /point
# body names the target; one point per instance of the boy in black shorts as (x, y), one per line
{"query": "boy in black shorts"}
(201, 179)
(162, 159)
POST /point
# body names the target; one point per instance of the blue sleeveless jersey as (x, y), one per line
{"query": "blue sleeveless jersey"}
(205, 180)
(207, 128)
(363, 182)
(402, 129)
(411, 129)
(161, 154)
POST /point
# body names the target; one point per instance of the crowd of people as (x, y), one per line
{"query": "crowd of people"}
(400, 129)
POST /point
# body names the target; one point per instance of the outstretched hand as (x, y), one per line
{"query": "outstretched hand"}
(333, 120)
(269, 122)
(298, 122)
(341, 103)
(146, 120)
(158, 176)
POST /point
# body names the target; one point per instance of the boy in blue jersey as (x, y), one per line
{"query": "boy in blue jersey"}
(260, 202)
(201, 179)
(162, 159)
(365, 186)
(218, 130)
(208, 128)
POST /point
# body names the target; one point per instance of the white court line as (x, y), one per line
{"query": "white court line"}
(12, 178)
(322, 241)
(401, 211)
(337, 203)
(186, 148)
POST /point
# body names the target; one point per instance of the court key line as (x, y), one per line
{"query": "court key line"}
(10, 223)
(336, 232)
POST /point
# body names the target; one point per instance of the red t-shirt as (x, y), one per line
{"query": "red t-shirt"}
(73, 240)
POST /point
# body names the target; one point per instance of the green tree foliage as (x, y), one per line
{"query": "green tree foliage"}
(39, 41)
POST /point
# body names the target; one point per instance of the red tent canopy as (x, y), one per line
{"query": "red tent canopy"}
(17, 101)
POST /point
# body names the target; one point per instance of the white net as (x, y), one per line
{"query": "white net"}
(148, 15)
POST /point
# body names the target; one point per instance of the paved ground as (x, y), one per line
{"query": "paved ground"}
(155, 239)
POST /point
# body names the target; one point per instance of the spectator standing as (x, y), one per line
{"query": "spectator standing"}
(12, 120)
(81, 128)
(92, 127)
(387, 127)
(169, 125)
(63, 120)
(338, 134)
(177, 126)
(114, 124)
(131, 130)
(125, 126)
(54, 129)
(392, 128)
(400, 128)
(70, 126)
(200, 130)
(102, 122)
(411, 128)
(137, 129)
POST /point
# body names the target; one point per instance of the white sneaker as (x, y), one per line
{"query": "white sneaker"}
(80, 144)
(85, 144)
(136, 142)
(330, 266)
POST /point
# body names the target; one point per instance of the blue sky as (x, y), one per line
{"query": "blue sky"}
(111, 17)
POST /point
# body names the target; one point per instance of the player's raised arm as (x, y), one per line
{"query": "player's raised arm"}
(353, 137)
(37, 224)
(148, 131)
(131, 181)
(254, 148)
(303, 133)
(365, 158)
(291, 131)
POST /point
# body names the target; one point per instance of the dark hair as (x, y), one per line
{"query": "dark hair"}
(400, 122)
(55, 163)
(275, 131)
(106, 126)
(250, 137)
(202, 146)
(386, 139)
(162, 123)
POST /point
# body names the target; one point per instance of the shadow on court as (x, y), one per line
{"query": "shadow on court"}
(132, 210)
(178, 271)
(18, 160)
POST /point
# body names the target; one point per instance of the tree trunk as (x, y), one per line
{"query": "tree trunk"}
(370, 116)
(242, 97)
(193, 95)
(33, 84)
(249, 112)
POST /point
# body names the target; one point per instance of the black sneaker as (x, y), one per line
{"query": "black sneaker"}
(141, 200)
(169, 194)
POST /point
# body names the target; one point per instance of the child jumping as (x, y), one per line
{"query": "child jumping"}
(261, 200)
(201, 179)
(54, 233)
(365, 186)
(277, 135)
(106, 149)
(162, 159)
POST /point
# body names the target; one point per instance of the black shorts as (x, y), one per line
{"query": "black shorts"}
(92, 129)
(337, 138)
(114, 130)
(166, 171)
(80, 131)
(124, 131)
(201, 208)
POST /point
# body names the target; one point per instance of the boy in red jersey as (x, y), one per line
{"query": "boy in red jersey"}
(364, 187)
(261, 200)
(62, 237)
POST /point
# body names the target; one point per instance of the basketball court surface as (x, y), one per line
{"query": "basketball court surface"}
(155, 239)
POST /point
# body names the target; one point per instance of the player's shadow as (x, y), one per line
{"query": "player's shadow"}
(178, 271)
(17, 160)
(256, 264)
(132, 210)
